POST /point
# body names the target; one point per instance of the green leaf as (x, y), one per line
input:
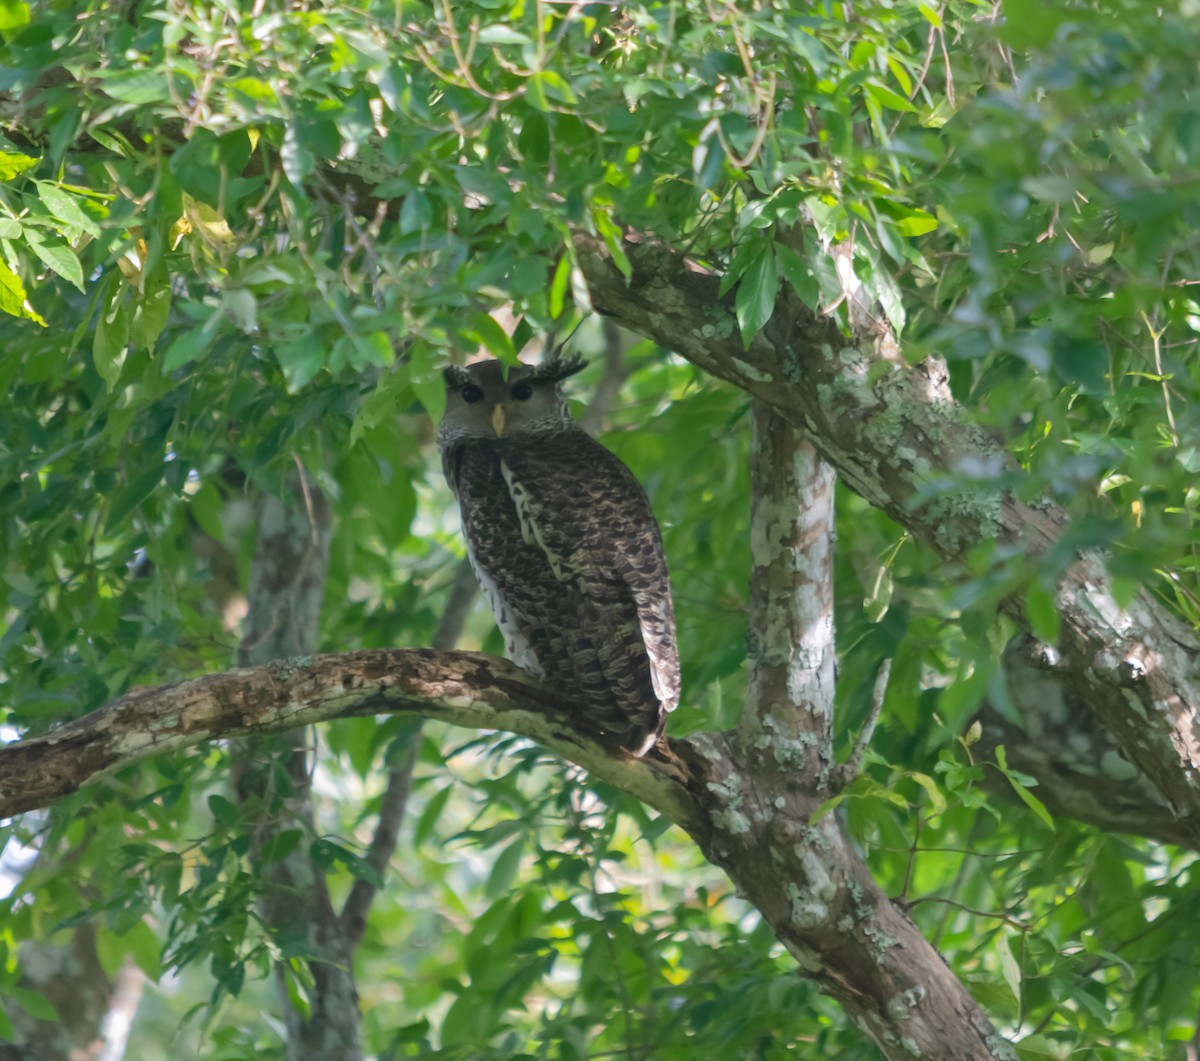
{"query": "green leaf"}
(112, 332)
(501, 34)
(827, 806)
(133, 494)
(431, 391)
(224, 810)
(797, 272)
(880, 598)
(34, 1003)
(1041, 608)
(145, 949)
(14, 162)
(1010, 968)
(558, 286)
(110, 950)
(13, 300)
(534, 141)
(138, 87)
(504, 870)
(298, 161)
(1038, 1045)
(937, 802)
(484, 330)
(1029, 23)
(185, 347)
(611, 235)
(151, 311)
(429, 816)
(546, 85)
(756, 294)
(931, 15)
(374, 349)
(57, 255)
(1027, 797)
(280, 844)
(917, 223)
(886, 97)
(64, 206)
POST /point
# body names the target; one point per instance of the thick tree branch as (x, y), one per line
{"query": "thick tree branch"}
(463, 688)
(896, 436)
(808, 882)
(1080, 771)
(791, 656)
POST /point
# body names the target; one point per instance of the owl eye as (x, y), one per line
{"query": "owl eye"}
(470, 393)
(522, 392)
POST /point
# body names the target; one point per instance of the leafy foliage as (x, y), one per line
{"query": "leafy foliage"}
(233, 237)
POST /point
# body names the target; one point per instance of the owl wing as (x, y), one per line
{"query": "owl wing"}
(590, 518)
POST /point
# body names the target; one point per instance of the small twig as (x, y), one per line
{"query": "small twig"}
(912, 859)
(1007, 919)
(1156, 335)
(308, 502)
(852, 767)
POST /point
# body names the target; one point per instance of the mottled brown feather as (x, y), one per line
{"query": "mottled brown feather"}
(563, 539)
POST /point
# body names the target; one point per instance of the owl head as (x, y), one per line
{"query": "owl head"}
(484, 400)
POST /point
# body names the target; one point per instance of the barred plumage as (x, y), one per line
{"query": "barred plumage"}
(565, 546)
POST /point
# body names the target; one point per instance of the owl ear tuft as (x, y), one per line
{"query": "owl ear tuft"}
(456, 376)
(556, 369)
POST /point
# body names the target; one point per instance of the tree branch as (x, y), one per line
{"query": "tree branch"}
(808, 882)
(1081, 774)
(896, 436)
(462, 688)
(852, 767)
(791, 655)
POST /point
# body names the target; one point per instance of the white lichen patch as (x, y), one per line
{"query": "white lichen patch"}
(732, 821)
(820, 884)
(808, 912)
(729, 815)
(899, 1006)
(881, 940)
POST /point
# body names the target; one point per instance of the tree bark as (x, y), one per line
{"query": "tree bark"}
(896, 436)
(808, 883)
(287, 584)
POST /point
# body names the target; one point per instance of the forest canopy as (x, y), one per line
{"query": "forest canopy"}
(933, 788)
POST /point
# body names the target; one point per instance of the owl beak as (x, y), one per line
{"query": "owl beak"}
(498, 420)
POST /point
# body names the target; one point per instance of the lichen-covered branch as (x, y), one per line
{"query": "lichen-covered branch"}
(463, 688)
(895, 435)
(1080, 771)
(791, 655)
(808, 882)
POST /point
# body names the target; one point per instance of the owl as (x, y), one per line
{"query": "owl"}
(565, 547)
